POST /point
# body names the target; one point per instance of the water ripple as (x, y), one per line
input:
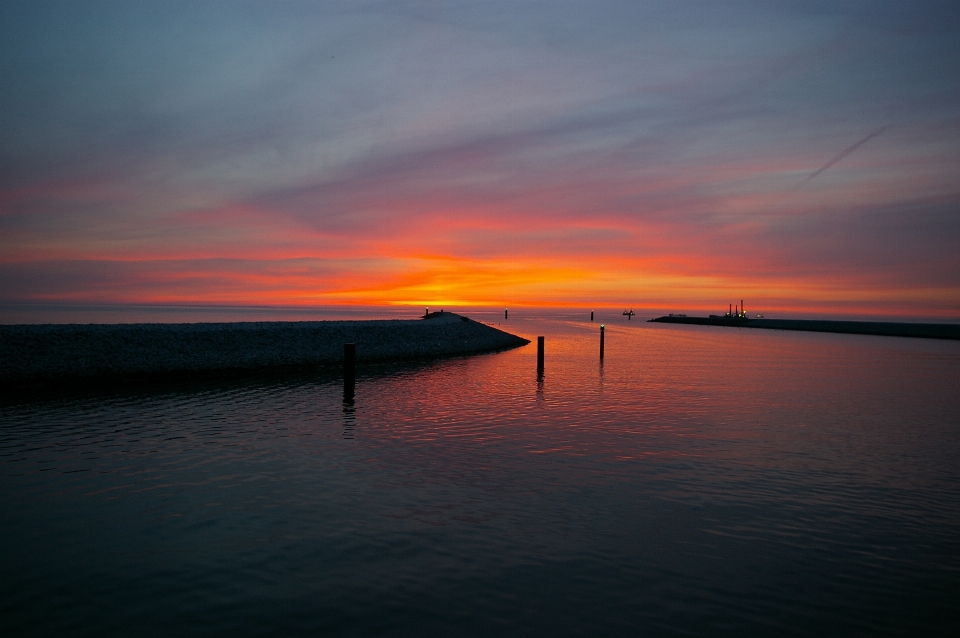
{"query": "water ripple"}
(695, 482)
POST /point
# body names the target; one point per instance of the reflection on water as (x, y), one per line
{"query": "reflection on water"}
(349, 418)
(697, 480)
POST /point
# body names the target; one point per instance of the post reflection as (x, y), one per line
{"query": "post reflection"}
(349, 417)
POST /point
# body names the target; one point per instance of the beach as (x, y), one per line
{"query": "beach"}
(31, 354)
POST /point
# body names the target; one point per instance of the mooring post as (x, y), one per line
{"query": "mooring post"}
(505, 312)
(539, 355)
(591, 315)
(601, 341)
(349, 370)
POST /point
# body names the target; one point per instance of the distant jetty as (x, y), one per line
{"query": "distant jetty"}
(55, 354)
(882, 328)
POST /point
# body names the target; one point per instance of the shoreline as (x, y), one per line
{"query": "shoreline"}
(65, 354)
(948, 331)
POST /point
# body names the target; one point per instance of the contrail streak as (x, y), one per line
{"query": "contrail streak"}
(839, 156)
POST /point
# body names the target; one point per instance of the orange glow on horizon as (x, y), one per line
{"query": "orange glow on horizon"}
(644, 284)
(685, 241)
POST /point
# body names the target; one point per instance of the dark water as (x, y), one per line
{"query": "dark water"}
(701, 481)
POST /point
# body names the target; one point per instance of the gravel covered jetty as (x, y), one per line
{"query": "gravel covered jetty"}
(58, 353)
(880, 328)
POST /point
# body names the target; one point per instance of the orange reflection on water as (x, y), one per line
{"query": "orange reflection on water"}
(755, 399)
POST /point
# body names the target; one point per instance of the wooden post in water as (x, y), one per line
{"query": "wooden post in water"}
(539, 356)
(505, 312)
(601, 341)
(591, 315)
(349, 370)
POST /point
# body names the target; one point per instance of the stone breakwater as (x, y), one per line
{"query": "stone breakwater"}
(878, 328)
(51, 353)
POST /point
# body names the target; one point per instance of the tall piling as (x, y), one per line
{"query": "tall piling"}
(591, 315)
(601, 341)
(539, 356)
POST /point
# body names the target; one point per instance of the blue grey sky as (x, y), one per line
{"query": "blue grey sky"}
(805, 154)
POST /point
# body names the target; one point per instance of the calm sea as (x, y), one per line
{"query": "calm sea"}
(698, 481)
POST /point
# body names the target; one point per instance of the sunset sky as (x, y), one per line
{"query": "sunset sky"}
(802, 155)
